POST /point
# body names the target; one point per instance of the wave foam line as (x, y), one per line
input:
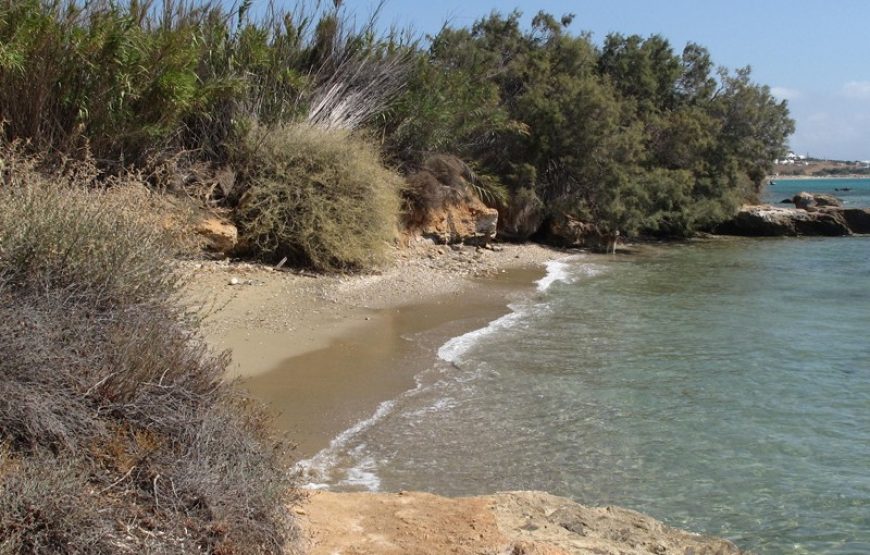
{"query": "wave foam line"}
(557, 270)
(453, 349)
(327, 458)
(363, 474)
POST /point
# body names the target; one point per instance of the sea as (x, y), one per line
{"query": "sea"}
(720, 385)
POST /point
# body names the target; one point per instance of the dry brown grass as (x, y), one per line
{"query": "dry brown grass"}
(320, 197)
(118, 433)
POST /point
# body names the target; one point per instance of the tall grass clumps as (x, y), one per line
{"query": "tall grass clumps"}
(117, 433)
(320, 197)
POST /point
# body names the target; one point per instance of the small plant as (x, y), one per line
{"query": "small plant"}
(320, 197)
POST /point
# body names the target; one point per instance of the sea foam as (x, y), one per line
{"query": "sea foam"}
(454, 349)
(318, 470)
(557, 270)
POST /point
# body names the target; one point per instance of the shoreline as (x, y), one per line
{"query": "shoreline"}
(386, 329)
(325, 352)
(816, 177)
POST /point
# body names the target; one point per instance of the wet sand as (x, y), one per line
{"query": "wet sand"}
(324, 352)
(325, 391)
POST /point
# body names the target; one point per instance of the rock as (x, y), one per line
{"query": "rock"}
(522, 218)
(858, 219)
(828, 222)
(220, 236)
(515, 523)
(563, 230)
(447, 208)
(772, 221)
(806, 200)
(570, 517)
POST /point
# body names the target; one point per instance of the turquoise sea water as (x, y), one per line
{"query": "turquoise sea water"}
(722, 386)
(858, 194)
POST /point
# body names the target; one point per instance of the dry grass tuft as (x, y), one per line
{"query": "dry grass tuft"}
(320, 197)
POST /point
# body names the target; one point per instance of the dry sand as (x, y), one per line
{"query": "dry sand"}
(324, 351)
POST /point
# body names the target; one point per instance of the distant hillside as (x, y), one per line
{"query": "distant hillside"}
(794, 166)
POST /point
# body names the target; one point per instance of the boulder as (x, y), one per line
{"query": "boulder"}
(773, 221)
(858, 219)
(828, 222)
(563, 230)
(219, 235)
(445, 207)
(470, 222)
(807, 201)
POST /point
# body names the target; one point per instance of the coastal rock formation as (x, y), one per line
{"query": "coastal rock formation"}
(807, 201)
(468, 222)
(522, 217)
(562, 230)
(773, 221)
(858, 219)
(445, 207)
(515, 523)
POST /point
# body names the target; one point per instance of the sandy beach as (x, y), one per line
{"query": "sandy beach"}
(325, 351)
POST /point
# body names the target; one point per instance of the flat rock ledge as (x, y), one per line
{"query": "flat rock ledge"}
(774, 221)
(514, 523)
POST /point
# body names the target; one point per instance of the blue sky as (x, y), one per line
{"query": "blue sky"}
(814, 53)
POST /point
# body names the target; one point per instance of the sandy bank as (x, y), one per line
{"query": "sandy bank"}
(517, 523)
(324, 351)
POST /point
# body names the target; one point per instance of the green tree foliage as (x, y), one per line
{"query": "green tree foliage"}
(630, 135)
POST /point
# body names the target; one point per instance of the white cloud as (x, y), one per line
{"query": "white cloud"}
(785, 93)
(857, 89)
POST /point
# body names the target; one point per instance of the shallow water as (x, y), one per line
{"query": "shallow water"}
(721, 386)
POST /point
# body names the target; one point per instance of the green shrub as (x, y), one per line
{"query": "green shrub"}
(319, 197)
(111, 400)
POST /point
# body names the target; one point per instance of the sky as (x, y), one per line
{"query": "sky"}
(813, 53)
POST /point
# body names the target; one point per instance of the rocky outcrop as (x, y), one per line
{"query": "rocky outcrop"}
(773, 221)
(858, 219)
(522, 217)
(515, 523)
(562, 230)
(469, 222)
(808, 201)
(445, 207)
(218, 235)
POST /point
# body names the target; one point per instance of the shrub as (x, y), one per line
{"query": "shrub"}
(45, 507)
(110, 400)
(54, 236)
(319, 197)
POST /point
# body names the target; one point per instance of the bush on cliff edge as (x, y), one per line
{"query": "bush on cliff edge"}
(320, 197)
(117, 433)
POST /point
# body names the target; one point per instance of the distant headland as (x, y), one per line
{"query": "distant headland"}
(801, 166)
